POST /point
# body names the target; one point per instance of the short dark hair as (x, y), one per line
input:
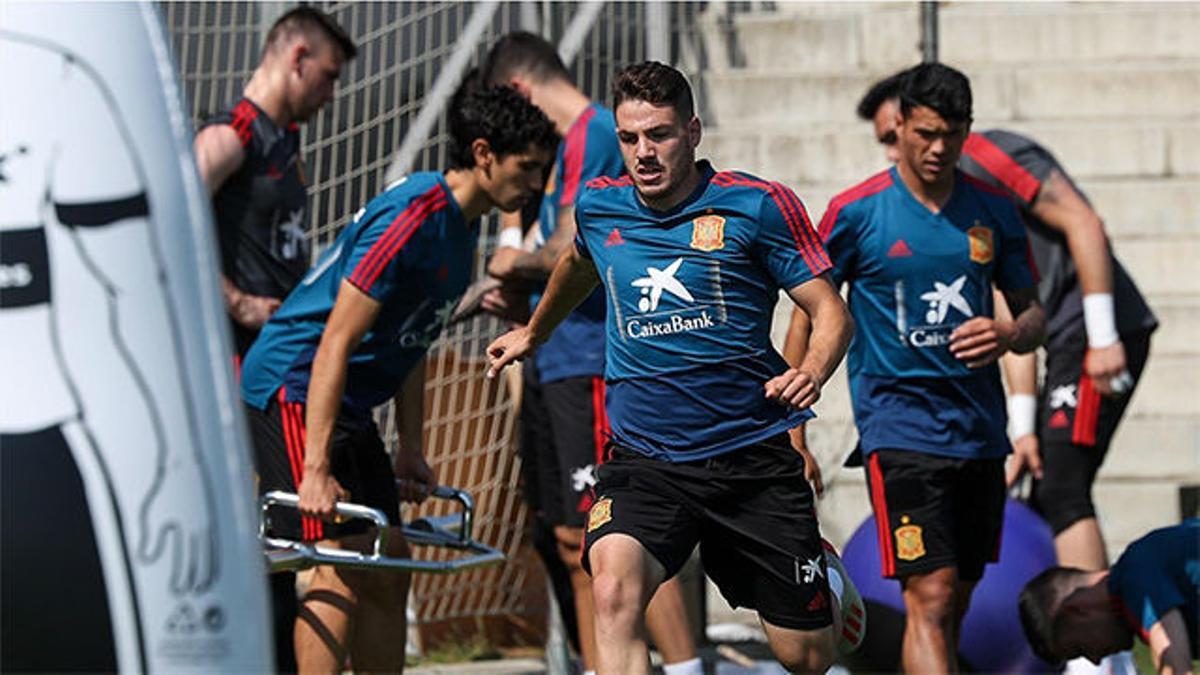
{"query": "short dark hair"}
(308, 19)
(655, 83)
(879, 93)
(498, 114)
(1039, 605)
(523, 53)
(939, 87)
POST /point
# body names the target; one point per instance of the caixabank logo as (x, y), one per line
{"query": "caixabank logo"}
(946, 308)
(665, 306)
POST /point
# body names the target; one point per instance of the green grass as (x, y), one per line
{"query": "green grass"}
(474, 648)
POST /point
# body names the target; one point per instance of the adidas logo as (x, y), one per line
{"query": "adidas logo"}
(614, 238)
(819, 601)
(1059, 420)
(899, 249)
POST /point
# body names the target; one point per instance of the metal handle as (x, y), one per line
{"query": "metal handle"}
(450, 531)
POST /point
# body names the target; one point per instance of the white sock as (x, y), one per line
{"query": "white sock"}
(589, 672)
(693, 666)
(1120, 663)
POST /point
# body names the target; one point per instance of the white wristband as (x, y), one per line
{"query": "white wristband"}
(510, 237)
(1022, 415)
(1099, 319)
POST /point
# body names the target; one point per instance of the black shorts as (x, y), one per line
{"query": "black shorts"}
(750, 510)
(358, 460)
(933, 512)
(564, 431)
(1075, 427)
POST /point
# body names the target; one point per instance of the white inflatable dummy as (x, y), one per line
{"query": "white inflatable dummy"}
(129, 524)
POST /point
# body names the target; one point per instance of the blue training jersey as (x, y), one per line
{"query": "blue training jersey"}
(691, 294)
(409, 248)
(1158, 573)
(589, 150)
(914, 277)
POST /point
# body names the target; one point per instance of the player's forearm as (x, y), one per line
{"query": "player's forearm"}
(536, 265)
(1030, 330)
(795, 344)
(1020, 370)
(324, 401)
(573, 280)
(409, 410)
(831, 332)
(1169, 646)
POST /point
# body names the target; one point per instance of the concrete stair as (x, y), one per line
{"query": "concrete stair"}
(1112, 89)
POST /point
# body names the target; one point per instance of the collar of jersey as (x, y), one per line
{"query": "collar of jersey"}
(706, 174)
(909, 198)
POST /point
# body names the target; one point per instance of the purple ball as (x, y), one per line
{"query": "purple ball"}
(992, 640)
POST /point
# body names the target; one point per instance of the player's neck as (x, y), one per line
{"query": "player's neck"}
(932, 196)
(472, 199)
(266, 92)
(676, 195)
(561, 102)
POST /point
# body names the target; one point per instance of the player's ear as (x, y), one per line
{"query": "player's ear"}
(521, 85)
(481, 152)
(694, 131)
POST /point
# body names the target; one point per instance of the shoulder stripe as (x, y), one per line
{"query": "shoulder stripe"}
(984, 186)
(793, 213)
(397, 234)
(602, 182)
(576, 147)
(244, 114)
(873, 185)
(998, 163)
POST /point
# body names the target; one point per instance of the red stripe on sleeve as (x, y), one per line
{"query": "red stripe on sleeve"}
(877, 183)
(786, 208)
(804, 228)
(398, 233)
(576, 142)
(882, 527)
(997, 162)
(244, 114)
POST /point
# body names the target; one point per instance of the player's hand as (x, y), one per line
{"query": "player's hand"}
(794, 388)
(982, 340)
(514, 345)
(812, 470)
(319, 491)
(252, 311)
(502, 264)
(508, 303)
(1107, 368)
(416, 479)
(1026, 457)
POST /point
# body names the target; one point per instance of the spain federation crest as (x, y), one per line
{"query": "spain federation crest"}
(910, 545)
(982, 246)
(600, 513)
(708, 233)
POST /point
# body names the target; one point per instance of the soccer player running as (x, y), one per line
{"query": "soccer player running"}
(562, 408)
(920, 246)
(1098, 335)
(1152, 591)
(699, 402)
(249, 157)
(352, 336)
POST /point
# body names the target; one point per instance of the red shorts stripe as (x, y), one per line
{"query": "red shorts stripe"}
(599, 419)
(1087, 413)
(293, 433)
(879, 505)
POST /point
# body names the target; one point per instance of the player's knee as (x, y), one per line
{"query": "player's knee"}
(929, 599)
(1063, 503)
(614, 596)
(812, 653)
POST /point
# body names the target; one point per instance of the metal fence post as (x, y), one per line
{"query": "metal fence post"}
(658, 32)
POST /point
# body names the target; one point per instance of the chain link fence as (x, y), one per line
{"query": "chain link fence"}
(348, 146)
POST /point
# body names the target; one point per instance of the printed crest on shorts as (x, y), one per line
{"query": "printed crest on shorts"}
(982, 246)
(600, 513)
(708, 233)
(909, 543)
